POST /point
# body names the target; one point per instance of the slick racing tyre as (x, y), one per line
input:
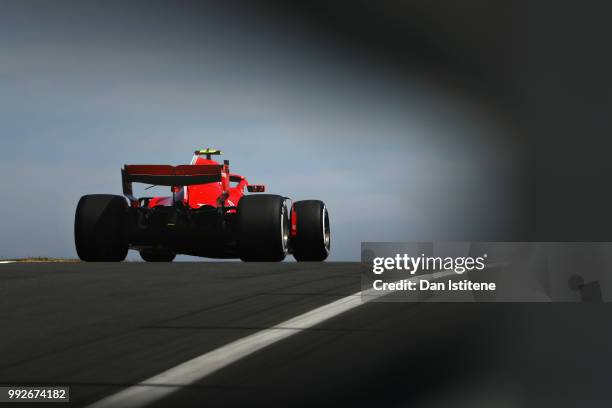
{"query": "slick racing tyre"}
(98, 228)
(312, 236)
(263, 228)
(157, 255)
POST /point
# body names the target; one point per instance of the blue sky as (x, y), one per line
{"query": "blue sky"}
(87, 89)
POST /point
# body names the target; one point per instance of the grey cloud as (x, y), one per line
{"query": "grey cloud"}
(393, 159)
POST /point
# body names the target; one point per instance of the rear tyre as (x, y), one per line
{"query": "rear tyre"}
(157, 255)
(313, 238)
(98, 228)
(263, 228)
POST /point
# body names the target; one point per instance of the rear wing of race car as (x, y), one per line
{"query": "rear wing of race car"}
(165, 175)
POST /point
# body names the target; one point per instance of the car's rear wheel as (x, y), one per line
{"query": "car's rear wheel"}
(157, 255)
(263, 228)
(98, 228)
(312, 241)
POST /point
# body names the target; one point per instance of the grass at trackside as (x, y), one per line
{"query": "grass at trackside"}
(39, 259)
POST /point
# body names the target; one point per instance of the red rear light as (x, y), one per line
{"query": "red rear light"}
(256, 188)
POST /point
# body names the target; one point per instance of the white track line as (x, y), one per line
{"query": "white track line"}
(6, 262)
(189, 372)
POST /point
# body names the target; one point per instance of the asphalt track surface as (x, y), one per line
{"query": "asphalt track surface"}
(102, 328)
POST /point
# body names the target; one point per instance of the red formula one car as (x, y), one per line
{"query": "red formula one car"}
(208, 214)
